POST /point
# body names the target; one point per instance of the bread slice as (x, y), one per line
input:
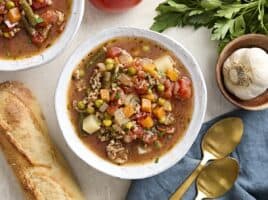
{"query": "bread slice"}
(24, 139)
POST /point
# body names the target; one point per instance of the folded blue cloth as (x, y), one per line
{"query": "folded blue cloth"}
(252, 154)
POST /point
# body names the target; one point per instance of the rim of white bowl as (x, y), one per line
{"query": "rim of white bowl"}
(137, 171)
(72, 26)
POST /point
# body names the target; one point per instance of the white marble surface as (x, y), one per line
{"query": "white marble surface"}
(43, 80)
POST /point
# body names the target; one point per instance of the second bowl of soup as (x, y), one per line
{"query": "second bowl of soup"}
(35, 32)
(132, 101)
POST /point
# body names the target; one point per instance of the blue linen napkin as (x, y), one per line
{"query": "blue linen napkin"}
(252, 154)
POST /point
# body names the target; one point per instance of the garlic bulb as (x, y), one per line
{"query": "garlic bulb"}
(246, 73)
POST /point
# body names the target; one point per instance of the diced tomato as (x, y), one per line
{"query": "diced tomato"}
(149, 138)
(185, 91)
(38, 5)
(111, 109)
(113, 52)
(168, 89)
(176, 88)
(38, 39)
(141, 74)
(141, 85)
(49, 17)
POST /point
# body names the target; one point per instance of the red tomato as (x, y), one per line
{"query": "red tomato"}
(38, 5)
(185, 91)
(168, 89)
(115, 5)
(49, 17)
(113, 52)
(111, 109)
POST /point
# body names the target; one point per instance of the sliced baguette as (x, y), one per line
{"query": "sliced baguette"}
(24, 139)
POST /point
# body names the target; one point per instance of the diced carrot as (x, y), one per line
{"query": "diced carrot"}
(147, 122)
(172, 74)
(128, 110)
(150, 96)
(159, 112)
(105, 95)
(150, 68)
(14, 15)
(146, 105)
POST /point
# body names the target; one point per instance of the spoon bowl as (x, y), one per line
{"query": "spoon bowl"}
(217, 178)
(222, 138)
(219, 141)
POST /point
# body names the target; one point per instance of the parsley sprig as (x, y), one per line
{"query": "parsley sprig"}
(227, 19)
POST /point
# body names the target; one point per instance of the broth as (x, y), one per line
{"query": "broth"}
(182, 109)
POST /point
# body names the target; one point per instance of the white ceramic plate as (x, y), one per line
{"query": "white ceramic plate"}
(131, 171)
(52, 52)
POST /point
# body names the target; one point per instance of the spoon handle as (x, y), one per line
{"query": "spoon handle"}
(186, 184)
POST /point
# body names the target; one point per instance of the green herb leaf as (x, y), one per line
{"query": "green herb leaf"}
(221, 28)
(238, 28)
(177, 6)
(210, 4)
(227, 19)
(229, 11)
(167, 20)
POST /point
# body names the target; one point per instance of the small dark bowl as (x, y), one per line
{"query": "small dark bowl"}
(246, 41)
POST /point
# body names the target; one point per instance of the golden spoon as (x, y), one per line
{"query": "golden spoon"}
(219, 141)
(217, 178)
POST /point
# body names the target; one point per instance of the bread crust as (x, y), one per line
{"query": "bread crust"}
(38, 165)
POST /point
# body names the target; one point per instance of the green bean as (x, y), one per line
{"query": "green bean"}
(30, 30)
(31, 16)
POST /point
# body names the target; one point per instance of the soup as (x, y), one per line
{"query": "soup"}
(29, 27)
(130, 100)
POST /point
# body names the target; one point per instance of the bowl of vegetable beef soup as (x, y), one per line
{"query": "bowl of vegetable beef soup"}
(33, 32)
(130, 102)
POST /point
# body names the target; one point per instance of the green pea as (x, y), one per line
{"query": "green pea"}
(161, 134)
(162, 120)
(160, 87)
(129, 125)
(81, 105)
(90, 110)
(157, 144)
(107, 122)
(132, 71)
(109, 61)
(161, 101)
(82, 73)
(6, 35)
(98, 103)
(10, 4)
(109, 66)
